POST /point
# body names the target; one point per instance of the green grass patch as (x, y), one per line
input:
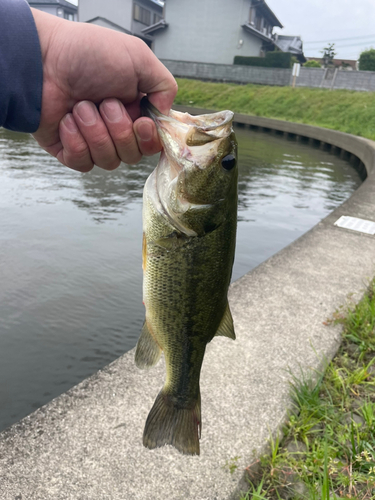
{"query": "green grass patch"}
(344, 110)
(327, 448)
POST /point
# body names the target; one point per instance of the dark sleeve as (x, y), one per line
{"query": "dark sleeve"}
(21, 70)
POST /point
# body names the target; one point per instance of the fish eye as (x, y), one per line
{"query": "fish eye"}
(228, 162)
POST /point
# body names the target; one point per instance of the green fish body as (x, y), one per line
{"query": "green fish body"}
(189, 224)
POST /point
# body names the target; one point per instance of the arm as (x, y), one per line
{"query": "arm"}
(93, 79)
(21, 72)
(109, 71)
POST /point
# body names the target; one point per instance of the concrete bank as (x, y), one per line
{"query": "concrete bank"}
(87, 443)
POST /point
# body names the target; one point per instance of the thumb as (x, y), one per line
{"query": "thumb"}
(155, 80)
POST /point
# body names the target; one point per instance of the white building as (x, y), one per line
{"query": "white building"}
(208, 31)
(127, 16)
(59, 8)
(214, 31)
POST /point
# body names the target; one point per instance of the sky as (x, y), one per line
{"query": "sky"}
(349, 24)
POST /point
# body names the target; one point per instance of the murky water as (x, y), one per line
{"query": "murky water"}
(70, 252)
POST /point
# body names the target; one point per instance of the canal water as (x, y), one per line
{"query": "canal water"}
(70, 252)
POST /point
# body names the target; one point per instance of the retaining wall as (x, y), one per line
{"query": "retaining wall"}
(309, 77)
(229, 73)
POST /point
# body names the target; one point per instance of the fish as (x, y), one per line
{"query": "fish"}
(189, 235)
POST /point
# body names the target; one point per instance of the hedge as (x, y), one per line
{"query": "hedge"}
(272, 60)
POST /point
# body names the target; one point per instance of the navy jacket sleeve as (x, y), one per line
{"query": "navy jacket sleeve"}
(21, 69)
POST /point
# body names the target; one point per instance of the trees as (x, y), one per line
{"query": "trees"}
(312, 64)
(367, 60)
(328, 54)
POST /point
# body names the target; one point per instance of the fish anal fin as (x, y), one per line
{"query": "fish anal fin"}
(226, 327)
(170, 424)
(148, 351)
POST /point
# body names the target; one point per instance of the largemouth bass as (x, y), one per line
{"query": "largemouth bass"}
(189, 231)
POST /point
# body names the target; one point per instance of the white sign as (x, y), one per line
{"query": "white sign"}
(360, 225)
(296, 68)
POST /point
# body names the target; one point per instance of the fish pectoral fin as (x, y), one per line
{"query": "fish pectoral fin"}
(148, 351)
(172, 241)
(226, 327)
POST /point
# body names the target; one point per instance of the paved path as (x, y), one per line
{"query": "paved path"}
(87, 443)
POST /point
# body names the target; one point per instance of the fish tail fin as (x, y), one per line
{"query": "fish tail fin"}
(148, 352)
(170, 424)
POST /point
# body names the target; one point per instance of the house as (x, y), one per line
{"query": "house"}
(59, 8)
(346, 64)
(292, 44)
(215, 31)
(127, 16)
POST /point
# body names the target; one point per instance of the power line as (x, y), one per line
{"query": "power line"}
(353, 44)
(341, 39)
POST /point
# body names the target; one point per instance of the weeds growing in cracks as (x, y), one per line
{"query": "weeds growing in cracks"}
(328, 446)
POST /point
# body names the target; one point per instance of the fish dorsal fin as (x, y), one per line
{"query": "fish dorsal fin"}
(226, 328)
(148, 351)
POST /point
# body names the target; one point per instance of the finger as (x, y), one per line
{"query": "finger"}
(154, 78)
(147, 136)
(95, 133)
(120, 127)
(74, 151)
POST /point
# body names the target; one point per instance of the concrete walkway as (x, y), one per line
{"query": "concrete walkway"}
(87, 443)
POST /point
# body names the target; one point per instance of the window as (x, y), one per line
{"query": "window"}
(157, 18)
(258, 22)
(255, 19)
(68, 16)
(252, 15)
(142, 15)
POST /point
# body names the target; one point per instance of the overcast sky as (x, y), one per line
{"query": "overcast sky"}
(324, 21)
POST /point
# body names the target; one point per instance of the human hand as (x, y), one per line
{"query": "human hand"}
(93, 80)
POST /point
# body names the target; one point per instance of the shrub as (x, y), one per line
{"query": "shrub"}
(250, 61)
(272, 60)
(312, 64)
(367, 60)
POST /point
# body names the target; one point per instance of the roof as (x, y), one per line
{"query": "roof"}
(250, 29)
(267, 12)
(110, 23)
(61, 3)
(291, 44)
(336, 62)
(154, 4)
(150, 30)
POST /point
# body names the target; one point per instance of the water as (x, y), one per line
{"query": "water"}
(70, 246)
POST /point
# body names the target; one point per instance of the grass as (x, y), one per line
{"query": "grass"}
(348, 111)
(327, 450)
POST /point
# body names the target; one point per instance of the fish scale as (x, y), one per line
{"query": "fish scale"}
(189, 224)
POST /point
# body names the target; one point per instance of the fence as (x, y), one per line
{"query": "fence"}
(308, 77)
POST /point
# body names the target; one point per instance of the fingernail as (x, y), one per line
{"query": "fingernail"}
(87, 112)
(112, 110)
(70, 124)
(145, 131)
